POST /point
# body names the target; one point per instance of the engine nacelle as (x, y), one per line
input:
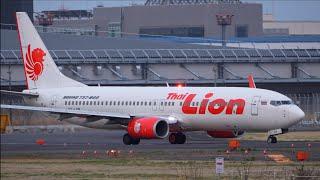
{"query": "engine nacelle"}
(225, 134)
(148, 128)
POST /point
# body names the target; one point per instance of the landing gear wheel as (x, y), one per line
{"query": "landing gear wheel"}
(181, 138)
(272, 139)
(177, 138)
(135, 141)
(128, 140)
(173, 138)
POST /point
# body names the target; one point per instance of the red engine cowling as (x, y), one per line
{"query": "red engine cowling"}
(148, 128)
(224, 134)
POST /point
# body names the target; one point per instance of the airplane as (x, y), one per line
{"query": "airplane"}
(148, 112)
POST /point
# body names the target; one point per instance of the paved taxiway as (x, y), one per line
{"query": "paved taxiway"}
(60, 144)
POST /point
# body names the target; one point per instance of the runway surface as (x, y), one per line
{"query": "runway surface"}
(200, 147)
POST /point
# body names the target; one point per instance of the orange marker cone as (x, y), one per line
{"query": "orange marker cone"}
(40, 141)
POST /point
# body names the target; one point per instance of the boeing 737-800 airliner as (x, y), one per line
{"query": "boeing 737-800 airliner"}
(147, 112)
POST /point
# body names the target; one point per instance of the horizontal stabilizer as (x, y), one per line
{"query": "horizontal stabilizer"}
(16, 93)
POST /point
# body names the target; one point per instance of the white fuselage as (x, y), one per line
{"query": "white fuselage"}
(258, 113)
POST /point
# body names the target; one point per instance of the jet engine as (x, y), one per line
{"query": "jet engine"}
(148, 128)
(225, 134)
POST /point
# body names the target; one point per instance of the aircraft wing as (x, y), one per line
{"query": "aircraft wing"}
(76, 113)
(15, 93)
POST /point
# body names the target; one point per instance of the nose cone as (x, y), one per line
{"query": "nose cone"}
(296, 115)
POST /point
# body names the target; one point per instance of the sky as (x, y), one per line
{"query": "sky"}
(308, 10)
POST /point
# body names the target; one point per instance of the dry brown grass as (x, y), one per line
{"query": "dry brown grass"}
(127, 168)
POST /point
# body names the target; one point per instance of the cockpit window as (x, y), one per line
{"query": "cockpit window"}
(279, 103)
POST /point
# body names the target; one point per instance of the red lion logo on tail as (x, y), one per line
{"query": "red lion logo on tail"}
(34, 64)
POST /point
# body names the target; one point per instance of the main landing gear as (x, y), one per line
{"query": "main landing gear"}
(177, 138)
(128, 140)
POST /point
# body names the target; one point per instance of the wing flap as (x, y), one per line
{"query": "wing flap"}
(82, 113)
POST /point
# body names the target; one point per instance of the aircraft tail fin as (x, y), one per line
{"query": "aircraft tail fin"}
(40, 69)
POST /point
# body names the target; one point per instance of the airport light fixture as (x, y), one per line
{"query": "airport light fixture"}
(224, 20)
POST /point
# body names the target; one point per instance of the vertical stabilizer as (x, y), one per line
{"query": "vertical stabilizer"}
(40, 69)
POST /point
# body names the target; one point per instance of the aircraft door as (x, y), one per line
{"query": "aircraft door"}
(255, 105)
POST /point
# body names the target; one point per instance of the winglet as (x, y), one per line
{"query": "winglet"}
(251, 81)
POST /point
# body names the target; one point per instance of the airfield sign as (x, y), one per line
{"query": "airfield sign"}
(219, 165)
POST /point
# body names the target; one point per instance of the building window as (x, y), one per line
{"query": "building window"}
(114, 29)
(242, 30)
(173, 31)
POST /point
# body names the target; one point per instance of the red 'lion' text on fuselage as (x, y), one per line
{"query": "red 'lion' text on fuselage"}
(215, 106)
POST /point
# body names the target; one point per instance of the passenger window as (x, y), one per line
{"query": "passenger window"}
(155, 103)
(146, 103)
(150, 103)
(126, 103)
(133, 103)
(98, 102)
(114, 103)
(129, 103)
(138, 103)
(161, 103)
(122, 103)
(94, 102)
(65, 102)
(106, 103)
(180, 103)
(87, 102)
(69, 103)
(172, 103)
(141, 103)
(165, 103)
(101, 103)
(90, 103)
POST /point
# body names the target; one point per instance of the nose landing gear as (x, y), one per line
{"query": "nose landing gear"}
(272, 139)
(177, 138)
(272, 135)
